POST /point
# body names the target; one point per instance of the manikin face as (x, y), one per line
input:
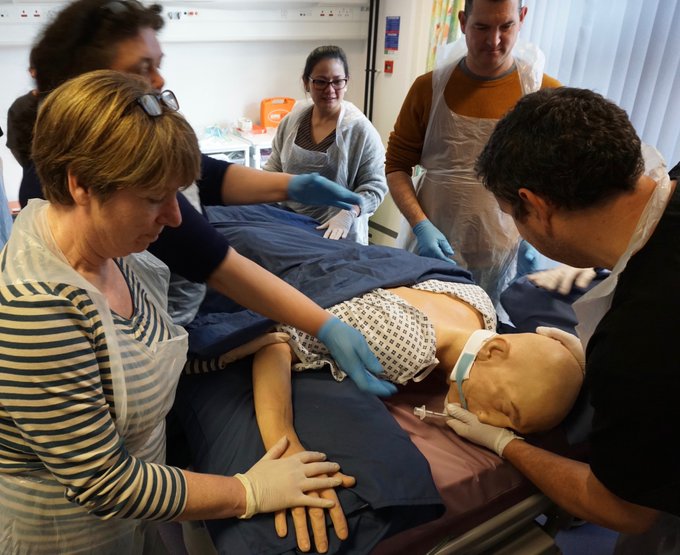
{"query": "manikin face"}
(142, 215)
(527, 382)
(491, 31)
(142, 56)
(329, 99)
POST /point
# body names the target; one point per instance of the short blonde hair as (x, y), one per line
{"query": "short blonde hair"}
(93, 127)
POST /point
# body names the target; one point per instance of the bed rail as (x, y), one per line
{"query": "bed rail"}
(515, 531)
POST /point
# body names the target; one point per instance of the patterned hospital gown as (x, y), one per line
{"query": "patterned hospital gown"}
(400, 335)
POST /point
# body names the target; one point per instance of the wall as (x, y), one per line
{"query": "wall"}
(216, 81)
(408, 61)
(390, 89)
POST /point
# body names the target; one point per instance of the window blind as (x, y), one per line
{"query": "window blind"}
(626, 50)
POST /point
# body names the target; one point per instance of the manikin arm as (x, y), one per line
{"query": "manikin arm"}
(274, 412)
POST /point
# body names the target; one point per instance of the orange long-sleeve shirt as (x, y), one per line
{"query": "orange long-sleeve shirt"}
(463, 94)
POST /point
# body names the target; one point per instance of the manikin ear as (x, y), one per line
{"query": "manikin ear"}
(536, 205)
(80, 195)
(496, 347)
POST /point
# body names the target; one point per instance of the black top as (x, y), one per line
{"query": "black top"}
(675, 172)
(20, 118)
(194, 249)
(633, 372)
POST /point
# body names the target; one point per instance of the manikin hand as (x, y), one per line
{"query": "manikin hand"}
(252, 347)
(570, 341)
(339, 225)
(563, 278)
(317, 516)
(431, 241)
(274, 483)
(354, 357)
(311, 188)
(467, 425)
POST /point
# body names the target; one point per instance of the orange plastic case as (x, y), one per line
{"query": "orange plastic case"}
(272, 110)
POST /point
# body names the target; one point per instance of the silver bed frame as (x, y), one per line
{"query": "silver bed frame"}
(515, 531)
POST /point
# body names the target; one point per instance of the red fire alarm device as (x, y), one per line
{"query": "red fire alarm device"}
(389, 66)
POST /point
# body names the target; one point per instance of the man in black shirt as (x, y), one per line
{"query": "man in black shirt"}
(568, 166)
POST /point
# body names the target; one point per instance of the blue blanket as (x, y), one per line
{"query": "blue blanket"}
(394, 488)
(288, 245)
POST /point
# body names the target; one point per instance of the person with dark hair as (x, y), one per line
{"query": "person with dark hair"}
(20, 118)
(334, 138)
(121, 35)
(569, 168)
(444, 122)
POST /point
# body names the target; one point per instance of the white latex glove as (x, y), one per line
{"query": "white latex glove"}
(251, 347)
(569, 340)
(563, 278)
(467, 425)
(339, 225)
(274, 483)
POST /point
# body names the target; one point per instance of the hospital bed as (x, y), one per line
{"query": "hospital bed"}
(420, 488)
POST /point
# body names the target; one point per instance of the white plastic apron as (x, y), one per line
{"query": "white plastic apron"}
(61, 526)
(332, 164)
(484, 239)
(592, 306)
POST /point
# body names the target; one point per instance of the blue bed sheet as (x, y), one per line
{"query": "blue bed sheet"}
(394, 489)
(289, 246)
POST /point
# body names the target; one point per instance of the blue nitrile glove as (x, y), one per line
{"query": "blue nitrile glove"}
(354, 357)
(431, 241)
(311, 188)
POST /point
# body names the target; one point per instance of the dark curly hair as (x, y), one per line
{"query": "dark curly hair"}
(571, 146)
(84, 37)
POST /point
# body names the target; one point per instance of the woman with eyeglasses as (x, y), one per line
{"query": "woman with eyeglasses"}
(332, 137)
(121, 34)
(90, 359)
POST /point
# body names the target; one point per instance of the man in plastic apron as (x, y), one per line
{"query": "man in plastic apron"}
(484, 240)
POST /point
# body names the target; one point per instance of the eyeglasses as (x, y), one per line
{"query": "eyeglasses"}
(151, 102)
(321, 84)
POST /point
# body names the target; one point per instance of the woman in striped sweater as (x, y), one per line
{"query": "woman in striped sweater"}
(89, 359)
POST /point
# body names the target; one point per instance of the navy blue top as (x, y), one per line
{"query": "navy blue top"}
(194, 249)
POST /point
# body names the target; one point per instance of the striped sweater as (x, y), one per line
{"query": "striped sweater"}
(57, 412)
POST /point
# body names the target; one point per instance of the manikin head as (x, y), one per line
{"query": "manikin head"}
(527, 382)
(491, 28)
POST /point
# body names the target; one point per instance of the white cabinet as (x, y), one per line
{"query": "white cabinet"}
(260, 145)
(226, 146)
